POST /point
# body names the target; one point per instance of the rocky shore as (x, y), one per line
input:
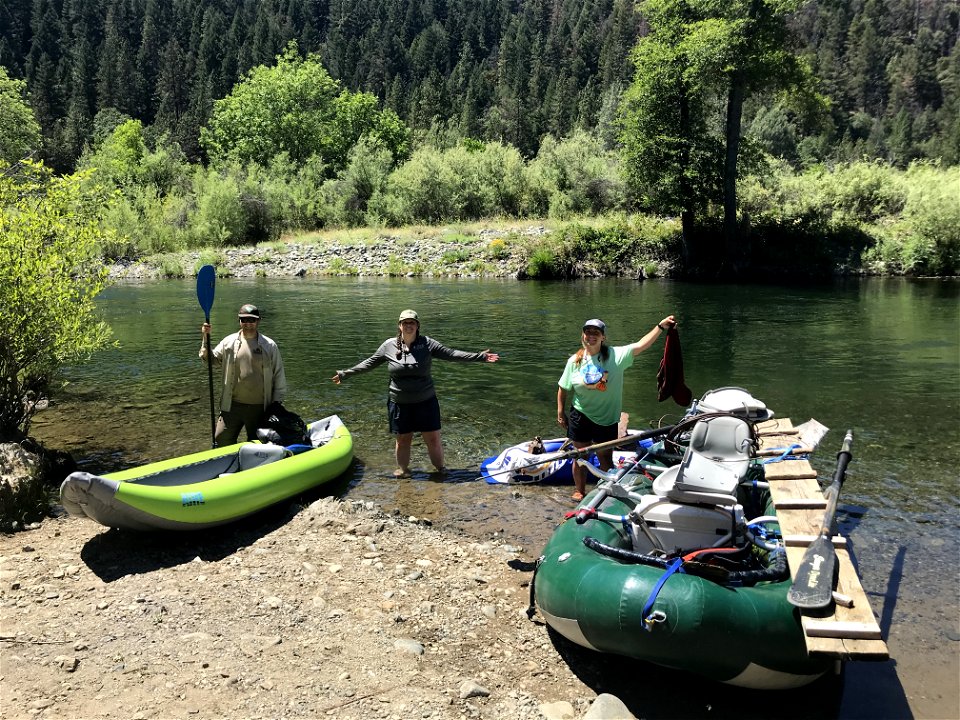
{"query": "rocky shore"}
(488, 253)
(331, 610)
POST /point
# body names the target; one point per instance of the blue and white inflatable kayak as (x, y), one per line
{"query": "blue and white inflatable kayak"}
(518, 465)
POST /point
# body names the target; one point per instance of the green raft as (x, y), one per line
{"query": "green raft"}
(212, 487)
(663, 565)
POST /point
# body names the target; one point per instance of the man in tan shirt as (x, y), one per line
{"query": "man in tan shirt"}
(253, 376)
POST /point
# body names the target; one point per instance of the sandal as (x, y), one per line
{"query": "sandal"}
(577, 496)
(401, 473)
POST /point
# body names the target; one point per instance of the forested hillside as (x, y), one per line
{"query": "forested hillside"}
(505, 70)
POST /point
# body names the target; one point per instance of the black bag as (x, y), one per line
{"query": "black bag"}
(282, 427)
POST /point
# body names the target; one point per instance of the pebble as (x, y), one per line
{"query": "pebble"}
(408, 646)
(608, 707)
(471, 689)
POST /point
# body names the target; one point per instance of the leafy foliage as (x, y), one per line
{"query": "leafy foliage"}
(50, 274)
(297, 109)
(19, 130)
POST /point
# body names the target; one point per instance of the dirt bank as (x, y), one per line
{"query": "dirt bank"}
(335, 610)
(338, 609)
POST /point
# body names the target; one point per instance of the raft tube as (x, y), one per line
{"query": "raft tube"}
(745, 636)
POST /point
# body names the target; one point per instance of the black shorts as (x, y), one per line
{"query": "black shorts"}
(414, 417)
(580, 428)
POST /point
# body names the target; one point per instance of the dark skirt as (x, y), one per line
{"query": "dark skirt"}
(414, 417)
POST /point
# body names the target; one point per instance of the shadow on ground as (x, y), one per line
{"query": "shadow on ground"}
(871, 690)
(116, 553)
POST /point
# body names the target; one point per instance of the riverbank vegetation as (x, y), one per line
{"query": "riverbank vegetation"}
(866, 216)
(676, 136)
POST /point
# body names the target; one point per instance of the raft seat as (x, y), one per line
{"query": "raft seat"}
(714, 464)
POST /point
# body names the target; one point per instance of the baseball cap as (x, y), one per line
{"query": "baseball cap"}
(409, 315)
(249, 310)
(596, 323)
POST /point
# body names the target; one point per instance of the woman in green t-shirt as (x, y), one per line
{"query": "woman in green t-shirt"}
(594, 377)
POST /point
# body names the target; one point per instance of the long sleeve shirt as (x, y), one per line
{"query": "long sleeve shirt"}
(410, 378)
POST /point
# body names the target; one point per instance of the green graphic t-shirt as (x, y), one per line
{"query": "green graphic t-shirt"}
(598, 386)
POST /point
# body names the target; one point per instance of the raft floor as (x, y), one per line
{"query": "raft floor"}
(849, 633)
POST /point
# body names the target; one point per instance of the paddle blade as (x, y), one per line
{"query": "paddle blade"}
(813, 584)
(206, 282)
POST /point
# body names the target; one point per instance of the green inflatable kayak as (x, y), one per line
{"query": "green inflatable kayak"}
(682, 567)
(211, 487)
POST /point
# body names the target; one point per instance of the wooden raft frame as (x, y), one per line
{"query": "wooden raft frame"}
(849, 633)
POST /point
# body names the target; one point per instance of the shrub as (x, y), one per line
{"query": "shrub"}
(542, 264)
(573, 176)
(218, 218)
(50, 276)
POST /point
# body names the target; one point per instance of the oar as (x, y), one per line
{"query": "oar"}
(206, 282)
(585, 451)
(812, 587)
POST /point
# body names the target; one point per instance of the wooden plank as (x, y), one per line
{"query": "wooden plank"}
(832, 629)
(804, 541)
(800, 504)
(772, 445)
(807, 489)
(789, 470)
(849, 632)
(774, 426)
(800, 522)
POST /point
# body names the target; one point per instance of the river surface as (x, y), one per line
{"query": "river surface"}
(879, 356)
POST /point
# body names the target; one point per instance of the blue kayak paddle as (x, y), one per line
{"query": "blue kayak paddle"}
(206, 283)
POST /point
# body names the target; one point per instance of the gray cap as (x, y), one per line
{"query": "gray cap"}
(249, 310)
(409, 315)
(596, 323)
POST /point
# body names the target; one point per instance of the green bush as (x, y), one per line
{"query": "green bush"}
(169, 266)
(218, 218)
(459, 183)
(210, 256)
(542, 264)
(573, 176)
(455, 257)
(417, 191)
(862, 214)
(50, 276)
(348, 197)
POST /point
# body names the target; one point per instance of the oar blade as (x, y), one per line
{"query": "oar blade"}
(206, 284)
(813, 584)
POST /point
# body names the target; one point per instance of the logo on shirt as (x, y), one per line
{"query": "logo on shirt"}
(595, 378)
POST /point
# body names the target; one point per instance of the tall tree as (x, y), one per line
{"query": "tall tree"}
(296, 108)
(714, 55)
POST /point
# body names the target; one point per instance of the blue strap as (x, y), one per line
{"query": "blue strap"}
(648, 607)
(299, 448)
(784, 456)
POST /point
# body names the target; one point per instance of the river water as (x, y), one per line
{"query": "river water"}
(879, 356)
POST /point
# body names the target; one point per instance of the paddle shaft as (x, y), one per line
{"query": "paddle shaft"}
(585, 452)
(833, 492)
(206, 284)
(213, 419)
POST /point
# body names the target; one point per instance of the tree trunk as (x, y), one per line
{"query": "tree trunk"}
(687, 215)
(738, 86)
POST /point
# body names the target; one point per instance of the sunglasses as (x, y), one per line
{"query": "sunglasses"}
(245, 319)
(592, 331)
